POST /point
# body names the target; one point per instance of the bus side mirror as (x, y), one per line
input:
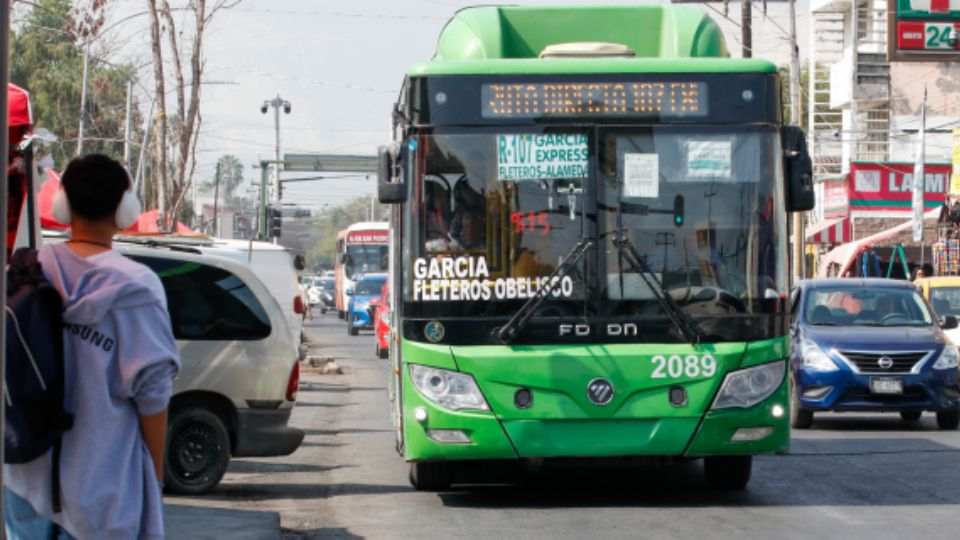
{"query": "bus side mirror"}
(389, 192)
(299, 263)
(344, 258)
(348, 292)
(948, 322)
(798, 170)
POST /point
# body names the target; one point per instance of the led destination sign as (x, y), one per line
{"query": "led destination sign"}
(664, 99)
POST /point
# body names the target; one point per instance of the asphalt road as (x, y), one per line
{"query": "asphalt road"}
(851, 476)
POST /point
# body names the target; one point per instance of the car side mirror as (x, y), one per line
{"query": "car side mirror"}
(348, 292)
(948, 322)
(388, 190)
(798, 170)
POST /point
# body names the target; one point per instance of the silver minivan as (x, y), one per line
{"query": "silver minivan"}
(239, 366)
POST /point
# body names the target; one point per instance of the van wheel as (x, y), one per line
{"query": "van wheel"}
(949, 419)
(198, 452)
(910, 416)
(341, 315)
(350, 329)
(430, 475)
(728, 472)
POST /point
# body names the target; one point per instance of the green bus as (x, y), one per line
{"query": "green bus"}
(589, 243)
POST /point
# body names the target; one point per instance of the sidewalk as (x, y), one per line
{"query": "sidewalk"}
(182, 522)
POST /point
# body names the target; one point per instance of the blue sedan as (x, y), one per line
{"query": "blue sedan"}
(363, 301)
(871, 345)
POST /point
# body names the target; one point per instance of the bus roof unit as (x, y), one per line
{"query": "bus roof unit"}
(506, 39)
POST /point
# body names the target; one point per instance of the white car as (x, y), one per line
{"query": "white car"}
(272, 264)
(239, 371)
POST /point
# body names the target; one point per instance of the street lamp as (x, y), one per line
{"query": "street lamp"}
(277, 103)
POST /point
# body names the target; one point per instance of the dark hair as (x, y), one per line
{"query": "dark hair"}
(95, 184)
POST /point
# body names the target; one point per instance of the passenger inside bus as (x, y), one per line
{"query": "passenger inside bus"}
(435, 212)
(468, 227)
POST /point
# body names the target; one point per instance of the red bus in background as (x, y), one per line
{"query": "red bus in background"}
(361, 247)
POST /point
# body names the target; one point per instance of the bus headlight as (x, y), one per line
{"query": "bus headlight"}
(948, 358)
(747, 387)
(448, 389)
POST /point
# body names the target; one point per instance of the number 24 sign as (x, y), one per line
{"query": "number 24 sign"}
(927, 35)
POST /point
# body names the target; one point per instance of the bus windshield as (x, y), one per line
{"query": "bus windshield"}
(700, 208)
(366, 258)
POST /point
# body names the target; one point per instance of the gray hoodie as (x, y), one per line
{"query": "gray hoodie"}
(120, 361)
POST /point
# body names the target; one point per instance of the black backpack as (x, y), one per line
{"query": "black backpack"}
(34, 378)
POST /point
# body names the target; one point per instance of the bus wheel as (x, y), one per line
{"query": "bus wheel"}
(430, 475)
(341, 315)
(728, 472)
(350, 329)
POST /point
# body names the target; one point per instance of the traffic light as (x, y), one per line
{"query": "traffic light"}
(274, 221)
(678, 211)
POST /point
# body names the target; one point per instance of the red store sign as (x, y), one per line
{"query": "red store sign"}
(888, 186)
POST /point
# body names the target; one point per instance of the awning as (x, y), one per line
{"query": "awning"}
(830, 231)
(842, 257)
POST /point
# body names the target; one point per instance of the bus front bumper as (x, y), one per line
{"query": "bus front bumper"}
(465, 435)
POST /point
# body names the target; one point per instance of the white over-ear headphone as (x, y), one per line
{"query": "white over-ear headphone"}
(126, 215)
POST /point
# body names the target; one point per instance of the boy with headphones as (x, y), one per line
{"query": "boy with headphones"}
(120, 360)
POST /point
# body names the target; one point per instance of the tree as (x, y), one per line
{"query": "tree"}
(47, 60)
(173, 174)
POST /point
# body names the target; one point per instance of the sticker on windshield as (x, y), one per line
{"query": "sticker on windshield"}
(467, 279)
(641, 175)
(708, 158)
(529, 156)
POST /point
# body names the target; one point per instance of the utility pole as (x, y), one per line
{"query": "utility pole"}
(262, 207)
(919, 173)
(216, 202)
(83, 96)
(746, 30)
(128, 125)
(800, 238)
(4, 143)
(276, 103)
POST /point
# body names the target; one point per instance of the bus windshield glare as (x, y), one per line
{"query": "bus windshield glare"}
(701, 207)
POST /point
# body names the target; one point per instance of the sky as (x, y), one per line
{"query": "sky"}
(340, 65)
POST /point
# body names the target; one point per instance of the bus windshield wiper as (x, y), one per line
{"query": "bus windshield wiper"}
(515, 325)
(685, 324)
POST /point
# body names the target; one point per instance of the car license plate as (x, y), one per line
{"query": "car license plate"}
(886, 386)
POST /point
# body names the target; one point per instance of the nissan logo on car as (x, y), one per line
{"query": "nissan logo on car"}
(885, 362)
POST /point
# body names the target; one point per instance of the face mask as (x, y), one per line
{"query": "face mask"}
(126, 215)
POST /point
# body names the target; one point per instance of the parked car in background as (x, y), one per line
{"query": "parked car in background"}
(239, 371)
(321, 294)
(381, 322)
(364, 297)
(871, 345)
(943, 293)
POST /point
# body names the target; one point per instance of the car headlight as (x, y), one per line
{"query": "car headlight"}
(814, 358)
(948, 359)
(449, 389)
(747, 387)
